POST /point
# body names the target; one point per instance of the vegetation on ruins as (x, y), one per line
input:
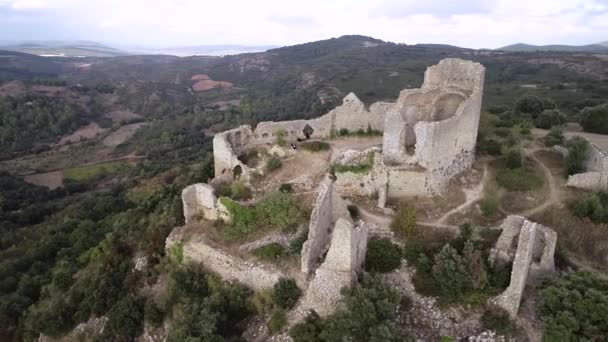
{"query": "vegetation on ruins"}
(496, 319)
(369, 314)
(594, 119)
(295, 245)
(271, 252)
(574, 308)
(275, 211)
(578, 148)
(273, 163)
(488, 205)
(382, 256)
(315, 146)
(280, 137)
(455, 270)
(364, 167)
(404, 222)
(285, 293)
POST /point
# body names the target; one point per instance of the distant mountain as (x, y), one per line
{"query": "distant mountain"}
(520, 47)
(63, 48)
(202, 50)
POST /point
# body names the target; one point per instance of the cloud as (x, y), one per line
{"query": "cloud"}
(473, 23)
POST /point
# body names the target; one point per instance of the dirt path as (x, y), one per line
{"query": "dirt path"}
(554, 195)
(471, 195)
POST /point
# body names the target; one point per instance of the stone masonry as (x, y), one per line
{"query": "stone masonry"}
(328, 208)
(531, 247)
(340, 269)
(199, 201)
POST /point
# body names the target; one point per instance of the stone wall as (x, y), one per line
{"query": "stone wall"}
(596, 177)
(436, 126)
(231, 268)
(199, 201)
(328, 208)
(340, 268)
(531, 247)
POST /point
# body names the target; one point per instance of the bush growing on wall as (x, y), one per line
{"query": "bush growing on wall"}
(404, 222)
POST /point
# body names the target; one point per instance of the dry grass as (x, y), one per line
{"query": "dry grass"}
(585, 241)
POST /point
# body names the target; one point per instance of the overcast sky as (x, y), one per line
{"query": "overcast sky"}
(467, 23)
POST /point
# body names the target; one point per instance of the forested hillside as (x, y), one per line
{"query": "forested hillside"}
(70, 253)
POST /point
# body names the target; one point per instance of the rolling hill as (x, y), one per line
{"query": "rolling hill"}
(521, 47)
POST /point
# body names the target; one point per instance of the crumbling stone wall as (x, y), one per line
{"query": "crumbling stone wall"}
(199, 201)
(226, 146)
(255, 275)
(596, 177)
(328, 208)
(435, 127)
(340, 268)
(531, 247)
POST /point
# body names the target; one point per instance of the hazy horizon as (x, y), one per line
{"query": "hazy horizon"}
(178, 23)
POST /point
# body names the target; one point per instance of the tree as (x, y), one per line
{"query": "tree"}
(476, 267)
(578, 149)
(513, 158)
(555, 136)
(451, 273)
(529, 104)
(549, 118)
(595, 119)
(382, 256)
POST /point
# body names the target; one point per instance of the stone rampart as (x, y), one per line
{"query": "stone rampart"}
(328, 208)
(531, 247)
(199, 201)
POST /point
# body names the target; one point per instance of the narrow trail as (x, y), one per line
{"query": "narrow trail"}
(471, 195)
(554, 195)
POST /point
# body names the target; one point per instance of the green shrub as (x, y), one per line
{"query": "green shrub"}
(529, 104)
(555, 136)
(270, 252)
(285, 293)
(451, 274)
(595, 119)
(575, 308)
(239, 191)
(273, 163)
(276, 322)
(578, 149)
(488, 206)
(369, 314)
(593, 207)
(286, 188)
(513, 158)
(153, 313)
(315, 146)
(274, 211)
(382, 256)
(295, 245)
(550, 118)
(343, 132)
(489, 146)
(498, 320)
(518, 179)
(404, 222)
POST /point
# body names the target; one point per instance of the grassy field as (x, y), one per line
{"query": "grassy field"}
(96, 171)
